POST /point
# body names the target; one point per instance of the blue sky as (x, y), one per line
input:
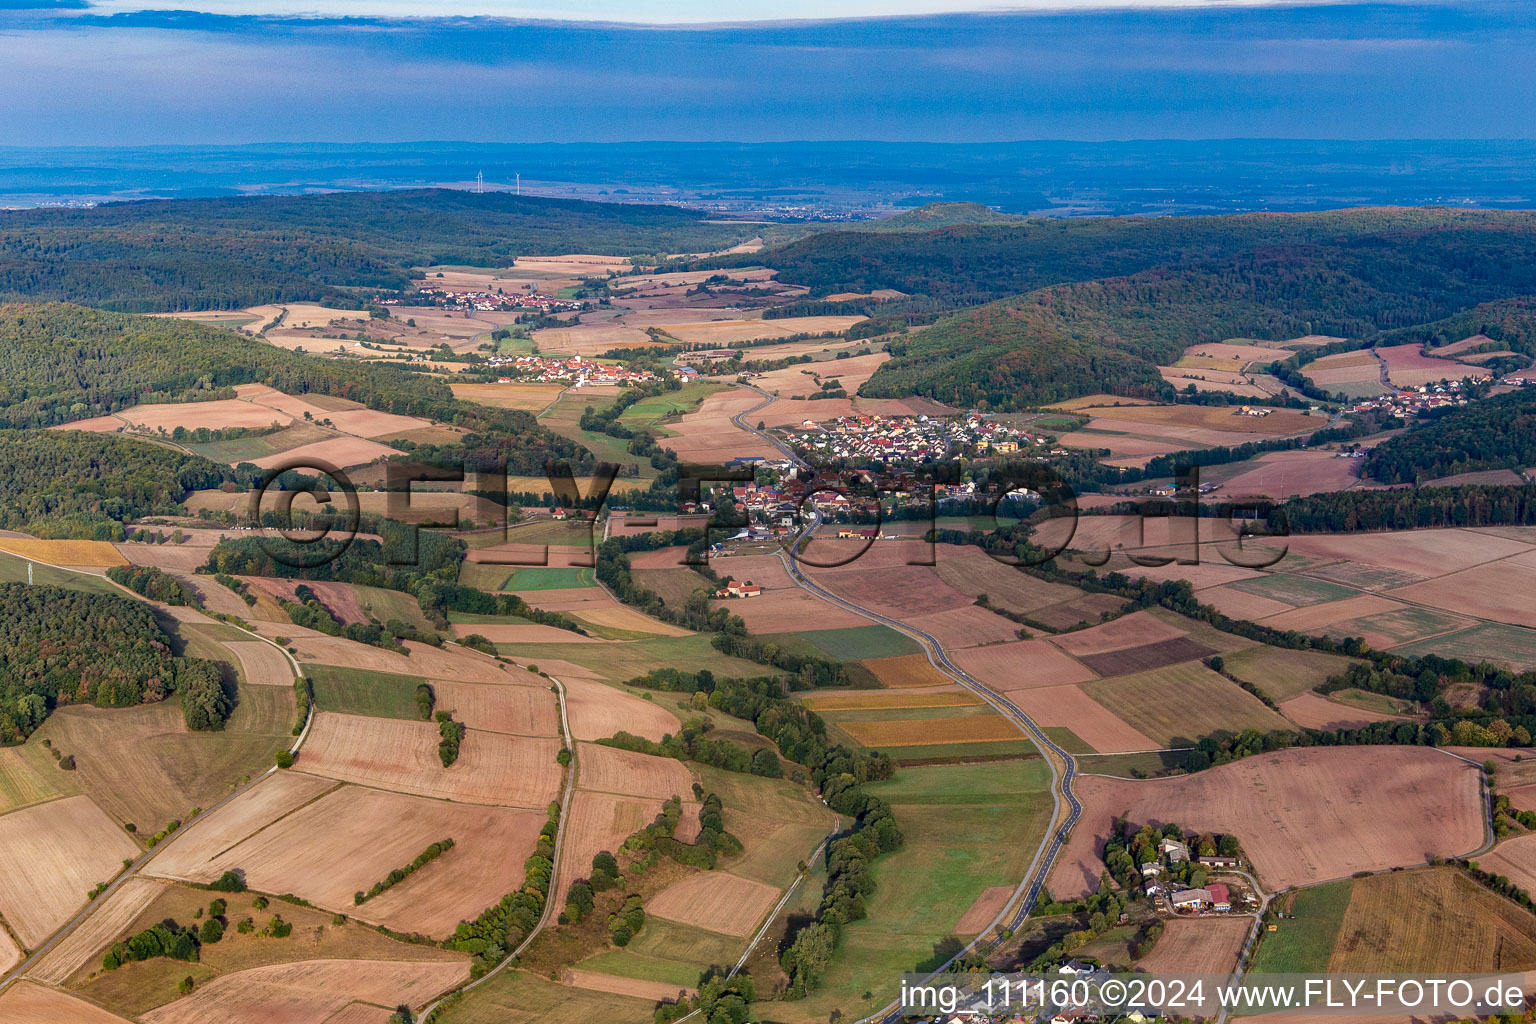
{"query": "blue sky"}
(117, 72)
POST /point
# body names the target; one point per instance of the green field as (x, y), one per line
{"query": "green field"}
(1404, 626)
(526, 999)
(621, 661)
(1124, 765)
(778, 822)
(1305, 943)
(13, 569)
(355, 691)
(649, 412)
(856, 642)
(481, 576)
(1378, 702)
(542, 578)
(998, 811)
(1066, 739)
(1493, 642)
(1182, 703)
(564, 418)
(1296, 590)
(622, 963)
(1283, 673)
(393, 604)
(674, 586)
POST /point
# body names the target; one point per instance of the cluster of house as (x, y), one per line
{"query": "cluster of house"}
(577, 371)
(906, 439)
(736, 588)
(1177, 897)
(494, 302)
(1412, 401)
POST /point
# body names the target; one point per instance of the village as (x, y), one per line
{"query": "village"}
(906, 440)
(488, 302)
(1408, 402)
(576, 371)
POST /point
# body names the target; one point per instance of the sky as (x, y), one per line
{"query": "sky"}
(118, 72)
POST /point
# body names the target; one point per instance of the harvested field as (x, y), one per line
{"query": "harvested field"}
(601, 821)
(1318, 616)
(516, 710)
(100, 929)
(567, 599)
(50, 857)
(661, 558)
(10, 953)
(1399, 626)
(1241, 605)
(589, 339)
(1092, 722)
(906, 670)
(1180, 704)
(715, 901)
(422, 660)
(1343, 368)
(212, 834)
(372, 423)
(616, 616)
(521, 633)
(402, 756)
(309, 991)
(1407, 366)
(723, 332)
(1304, 815)
(900, 591)
(1147, 657)
(524, 397)
(597, 712)
(1291, 589)
(226, 412)
(1022, 665)
(96, 553)
(984, 911)
(925, 732)
(340, 452)
(611, 770)
(1431, 920)
(1420, 552)
(1288, 474)
(334, 847)
(788, 611)
(1483, 591)
(1312, 711)
(1515, 859)
(875, 700)
(1135, 630)
(26, 780)
(1071, 614)
(1282, 673)
(1508, 644)
(1227, 355)
(974, 573)
(1193, 422)
(26, 1003)
(1205, 946)
(592, 981)
(966, 627)
(708, 434)
(261, 664)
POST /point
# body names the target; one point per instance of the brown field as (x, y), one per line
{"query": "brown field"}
(310, 991)
(966, 627)
(715, 901)
(1022, 665)
(1483, 591)
(906, 670)
(1515, 859)
(1304, 815)
(1312, 618)
(1136, 451)
(267, 801)
(226, 412)
(372, 423)
(597, 712)
(1311, 711)
(360, 1013)
(26, 1003)
(1205, 946)
(722, 332)
(1421, 552)
(10, 953)
(1344, 368)
(97, 553)
(517, 710)
(1094, 724)
(1146, 657)
(422, 660)
(934, 731)
(1287, 474)
(1432, 920)
(787, 611)
(986, 908)
(661, 558)
(1522, 798)
(566, 599)
(521, 633)
(1222, 419)
(1210, 379)
(1093, 401)
(871, 700)
(1135, 630)
(800, 380)
(50, 856)
(340, 452)
(616, 616)
(611, 770)
(1407, 366)
(1240, 605)
(492, 768)
(333, 847)
(592, 981)
(1496, 477)
(1228, 355)
(900, 591)
(598, 822)
(261, 664)
(526, 397)
(102, 927)
(707, 432)
(589, 339)
(974, 572)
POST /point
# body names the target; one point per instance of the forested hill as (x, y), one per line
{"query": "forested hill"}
(1108, 334)
(60, 363)
(1496, 433)
(232, 252)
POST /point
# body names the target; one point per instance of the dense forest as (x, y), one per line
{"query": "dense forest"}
(74, 484)
(232, 252)
(60, 646)
(1110, 334)
(1495, 433)
(60, 363)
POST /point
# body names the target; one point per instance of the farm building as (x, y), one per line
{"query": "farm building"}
(1221, 898)
(1220, 862)
(1173, 850)
(1192, 899)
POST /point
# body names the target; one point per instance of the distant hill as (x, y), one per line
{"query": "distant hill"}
(228, 253)
(942, 215)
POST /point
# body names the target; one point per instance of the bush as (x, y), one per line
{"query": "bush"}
(283, 759)
(229, 882)
(212, 931)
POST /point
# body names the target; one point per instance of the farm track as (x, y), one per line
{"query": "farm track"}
(143, 860)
